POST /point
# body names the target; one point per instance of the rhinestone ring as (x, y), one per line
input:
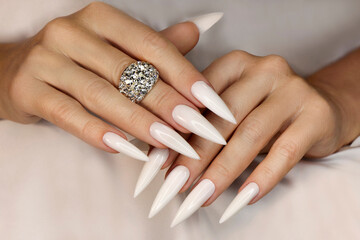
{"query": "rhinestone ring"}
(137, 80)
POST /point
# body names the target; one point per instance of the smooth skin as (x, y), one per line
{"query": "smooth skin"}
(279, 113)
(54, 77)
(73, 65)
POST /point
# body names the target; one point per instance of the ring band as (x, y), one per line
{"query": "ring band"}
(137, 80)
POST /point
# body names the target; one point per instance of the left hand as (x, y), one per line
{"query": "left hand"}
(276, 110)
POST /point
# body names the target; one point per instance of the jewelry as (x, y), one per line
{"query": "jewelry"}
(137, 80)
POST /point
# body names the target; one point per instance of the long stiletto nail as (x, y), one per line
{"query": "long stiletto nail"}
(196, 123)
(157, 158)
(207, 96)
(198, 196)
(172, 139)
(172, 185)
(240, 201)
(206, 21)
(121, 145)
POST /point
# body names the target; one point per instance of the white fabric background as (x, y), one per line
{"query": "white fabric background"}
(53, 186)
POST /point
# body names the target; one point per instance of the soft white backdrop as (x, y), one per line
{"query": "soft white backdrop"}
(53, 186)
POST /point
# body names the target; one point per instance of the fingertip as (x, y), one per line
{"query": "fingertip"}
(183, 35)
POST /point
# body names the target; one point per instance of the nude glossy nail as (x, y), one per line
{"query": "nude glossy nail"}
(196, 123)
(157, 158)
(207, 96)
(123, 146)
(197, 197)
(206, 21)
(172, 185)
(241, 200)
(172, 139)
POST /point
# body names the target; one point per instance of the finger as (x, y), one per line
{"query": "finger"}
(284, 154)
(98, 95)
(252, 135)
(142, 42)
(69, 115)
(242, 104)
(104, 59)
(109, 63)
(184, 36)
(223, 72)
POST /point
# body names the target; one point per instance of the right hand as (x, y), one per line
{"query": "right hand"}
(74, 64)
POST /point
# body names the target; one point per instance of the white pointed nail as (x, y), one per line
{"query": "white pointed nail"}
(240, 201)
(172, 185)
(123, 146)
(172, 139)
(197, 197)
(207, 96)
(196, 123)
(206, 21)
(157, 158)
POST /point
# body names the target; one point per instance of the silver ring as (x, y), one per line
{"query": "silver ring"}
(137, 80)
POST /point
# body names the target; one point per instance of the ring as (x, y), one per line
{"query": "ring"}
(137, 80)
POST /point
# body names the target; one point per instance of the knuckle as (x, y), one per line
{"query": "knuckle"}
(267, 172)
(288, 150)
(163, 98)
(35, 55)
(155, 43)
(253, 130)
(222, 170)
(95, 91)
(276, 63)
(321, 106)
(62, 112)
(56, 28)
(239, 57)
(182, 70)
(237, 54)
(95, 6)
(92, 12)
(137, 117)
(89, 128)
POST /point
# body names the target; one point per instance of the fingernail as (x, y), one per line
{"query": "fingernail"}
(196, 123)
(206, 21)
(172, 185)
(240, 201)
(157, 158)
(207, 96)
(197, 197)
(123, 146)
(172, 139)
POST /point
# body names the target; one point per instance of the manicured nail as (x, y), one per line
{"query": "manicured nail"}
(206, 21)
(172, 139)
(196, 123)
(172, 185)
(197, 197)
(240, 201)
(121, 145)
(207, 96)
(157, 158)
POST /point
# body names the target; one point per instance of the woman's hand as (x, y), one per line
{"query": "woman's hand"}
(74, 64)
(276, 110)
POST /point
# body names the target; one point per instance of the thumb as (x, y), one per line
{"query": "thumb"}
(183, 35)
(186, 35)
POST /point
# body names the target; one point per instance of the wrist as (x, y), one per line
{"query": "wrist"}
(340, 83)
(345, 106)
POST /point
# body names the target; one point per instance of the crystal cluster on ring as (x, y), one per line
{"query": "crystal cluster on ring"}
(137, 80)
